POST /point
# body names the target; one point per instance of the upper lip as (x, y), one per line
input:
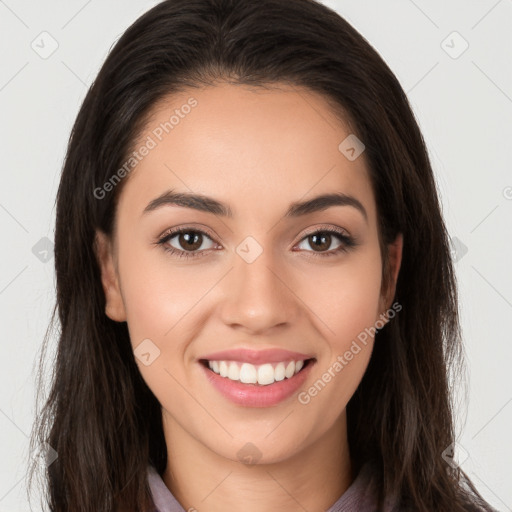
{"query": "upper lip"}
(245, 355)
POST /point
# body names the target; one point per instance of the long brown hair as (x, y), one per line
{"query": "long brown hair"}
(100, 417)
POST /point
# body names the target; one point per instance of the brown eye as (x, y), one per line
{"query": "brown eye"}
(190, 240)
(320, 242)
(187, 241)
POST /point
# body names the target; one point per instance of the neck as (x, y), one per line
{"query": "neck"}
(312, 478)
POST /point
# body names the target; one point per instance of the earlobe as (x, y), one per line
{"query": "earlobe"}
(114, 305)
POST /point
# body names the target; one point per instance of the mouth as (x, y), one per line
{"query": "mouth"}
(266, 385)
(265, 374)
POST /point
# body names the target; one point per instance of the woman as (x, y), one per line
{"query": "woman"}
(257, 303)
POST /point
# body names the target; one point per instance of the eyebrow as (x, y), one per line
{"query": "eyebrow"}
(210, 205)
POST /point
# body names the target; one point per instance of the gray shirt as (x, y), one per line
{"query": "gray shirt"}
(360, 496)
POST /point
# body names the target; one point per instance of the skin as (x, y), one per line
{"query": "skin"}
(257, 151)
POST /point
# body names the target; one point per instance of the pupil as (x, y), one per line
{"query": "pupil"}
(191, 240)
(321, 241)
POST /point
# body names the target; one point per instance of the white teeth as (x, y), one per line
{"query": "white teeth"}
(263, 375)
(290, 370)
(248, 374)
(233, 371)
(223, 368)
(279, 372)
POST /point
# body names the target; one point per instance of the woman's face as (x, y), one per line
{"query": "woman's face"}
(264, 277)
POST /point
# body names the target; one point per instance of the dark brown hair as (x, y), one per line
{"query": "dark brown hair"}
(100, 416)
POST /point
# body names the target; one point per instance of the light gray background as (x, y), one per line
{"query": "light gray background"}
(463, 105)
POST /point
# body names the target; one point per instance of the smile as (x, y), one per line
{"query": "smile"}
(279, 381)
(263, 375)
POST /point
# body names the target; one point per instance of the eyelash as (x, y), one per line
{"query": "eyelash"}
(347, 242)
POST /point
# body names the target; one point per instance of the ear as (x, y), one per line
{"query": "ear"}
(114, 305)
(394, 260)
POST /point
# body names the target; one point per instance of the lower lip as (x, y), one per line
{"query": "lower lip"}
(254, 395)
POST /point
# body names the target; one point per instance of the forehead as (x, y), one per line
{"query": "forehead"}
(254, 148)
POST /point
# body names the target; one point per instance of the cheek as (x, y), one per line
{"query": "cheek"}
(157, 292)
(346, 300)
(161, 300)
(345, 297)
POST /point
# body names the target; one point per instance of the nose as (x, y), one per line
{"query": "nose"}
(258, 296)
